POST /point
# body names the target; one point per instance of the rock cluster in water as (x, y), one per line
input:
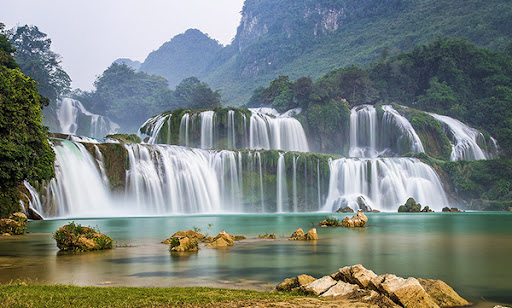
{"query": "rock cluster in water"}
(388, 290)
(268, 236)
(299, 235)
(412, 207)
(452, 210)
(356, 221)
(16, 224)
(74, 237)
(182, 241)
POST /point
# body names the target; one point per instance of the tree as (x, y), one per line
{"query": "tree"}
(438, 96)
(191, 93)
(37, 60)
(25, 153)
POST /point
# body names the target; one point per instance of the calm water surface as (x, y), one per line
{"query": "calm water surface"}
(472, 252)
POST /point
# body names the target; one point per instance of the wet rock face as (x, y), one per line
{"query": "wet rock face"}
(356, 283)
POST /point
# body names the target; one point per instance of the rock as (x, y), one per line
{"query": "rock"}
(288, 284)
(356, 274)
(268, 236)
(16, 224)
(427, 209)
(410, 206)
(208, 239)
(340, 289)
(298, 235)
(372, 297)
(319, 286)
(312, 235)
(345, 209)
(193, 235)
(375, 211)
(240, 237)
(305, 279)
(363, 204)
(74, 237)
(358, 220)
(329, 222)
(6, 234)
(406, 292)
(183, 244)
(34, 215)
(222, 239)
(452, 210)
(442, 294)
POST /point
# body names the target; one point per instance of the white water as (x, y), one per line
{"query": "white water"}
(465, 140)
(267, 129)
(385, 183)
(363, 131)
(404, 135)
(69, 113)
(282, 191)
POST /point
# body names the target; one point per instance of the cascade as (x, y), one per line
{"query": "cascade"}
(466, 140)
(266, 129)
(398, 133)
(282, 192)
(363, 131)
(72, 114)
(384, 183)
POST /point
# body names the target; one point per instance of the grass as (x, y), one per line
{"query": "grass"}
(34, 295)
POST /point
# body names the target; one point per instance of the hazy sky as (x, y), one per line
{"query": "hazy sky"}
(90, 34)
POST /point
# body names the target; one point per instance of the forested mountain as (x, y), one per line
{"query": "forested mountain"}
(308, 38)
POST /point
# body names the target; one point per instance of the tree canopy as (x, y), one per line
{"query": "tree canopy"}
(25, 153)
(37, 60)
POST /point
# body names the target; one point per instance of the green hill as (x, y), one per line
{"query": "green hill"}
(308, 38)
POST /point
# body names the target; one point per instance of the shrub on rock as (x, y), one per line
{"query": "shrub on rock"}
(74, 237)
(16, 224)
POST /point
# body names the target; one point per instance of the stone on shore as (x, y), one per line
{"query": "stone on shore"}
(406, 292)
(341, 288)
(356, 274)
(357, 221)
(305, 279)
(442, 294)
(372, 297)
(319, 286)
(288, 284)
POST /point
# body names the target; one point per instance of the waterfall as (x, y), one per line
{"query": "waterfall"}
(363, 131)
(267, 129)
(384, 183)
(71, 114)
(34, 200)
(282, 191)
(404, 138)
(465, 140)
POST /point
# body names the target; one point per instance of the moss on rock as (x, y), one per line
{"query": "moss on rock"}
(74, 237)
(16, 224)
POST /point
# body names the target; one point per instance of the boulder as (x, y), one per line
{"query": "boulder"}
(183, 244)
(220, 242)
(319, 286)
(298, 235)
(363, 204)
(452, 210)
(312, 235)
(240, 237)
(442, 294)
(372, 297)
(288, 284)
(208, 239)
(74, 237)
(16, 224)
(358, 220)
(305, 279)
(329, 222)
(341, 288)
(427, 209)
(193, 235)
(406, 292)
(356, 274)
(345, 209)
(268, 236)
(410, 206)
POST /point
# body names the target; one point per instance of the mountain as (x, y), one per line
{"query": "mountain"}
(310, 37)
(186, 55)
(135, 65)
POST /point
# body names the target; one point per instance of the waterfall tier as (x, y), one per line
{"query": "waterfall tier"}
(75, 119)
(258, 128)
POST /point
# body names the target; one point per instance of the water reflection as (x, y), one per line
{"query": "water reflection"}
(469, 251)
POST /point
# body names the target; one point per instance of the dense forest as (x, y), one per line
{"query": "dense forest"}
(309, 38)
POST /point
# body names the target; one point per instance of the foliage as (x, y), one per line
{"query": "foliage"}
(330, 222)
(74, 237)
(35, 295)
(125, 138)
(37, 60)
(25, 153)
(410, 206)
(194, 94)
(16, 224)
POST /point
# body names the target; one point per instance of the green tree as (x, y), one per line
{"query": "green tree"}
(191, 93)
(439, 96)
(25, 153)
(37, 60)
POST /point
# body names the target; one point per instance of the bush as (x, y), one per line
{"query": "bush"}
(74, 237)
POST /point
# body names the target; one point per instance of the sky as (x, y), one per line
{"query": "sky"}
(90, 34)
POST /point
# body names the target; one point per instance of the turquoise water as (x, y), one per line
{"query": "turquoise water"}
(470, 251)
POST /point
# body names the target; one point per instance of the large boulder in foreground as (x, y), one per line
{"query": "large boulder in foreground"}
(356, 274)
(357, 221)
(319, 286)
(405, 292)
(442, 294)
(74, 237)
(16, 224)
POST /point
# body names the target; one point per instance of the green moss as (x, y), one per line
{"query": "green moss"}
(126, 138)
(74, 237)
